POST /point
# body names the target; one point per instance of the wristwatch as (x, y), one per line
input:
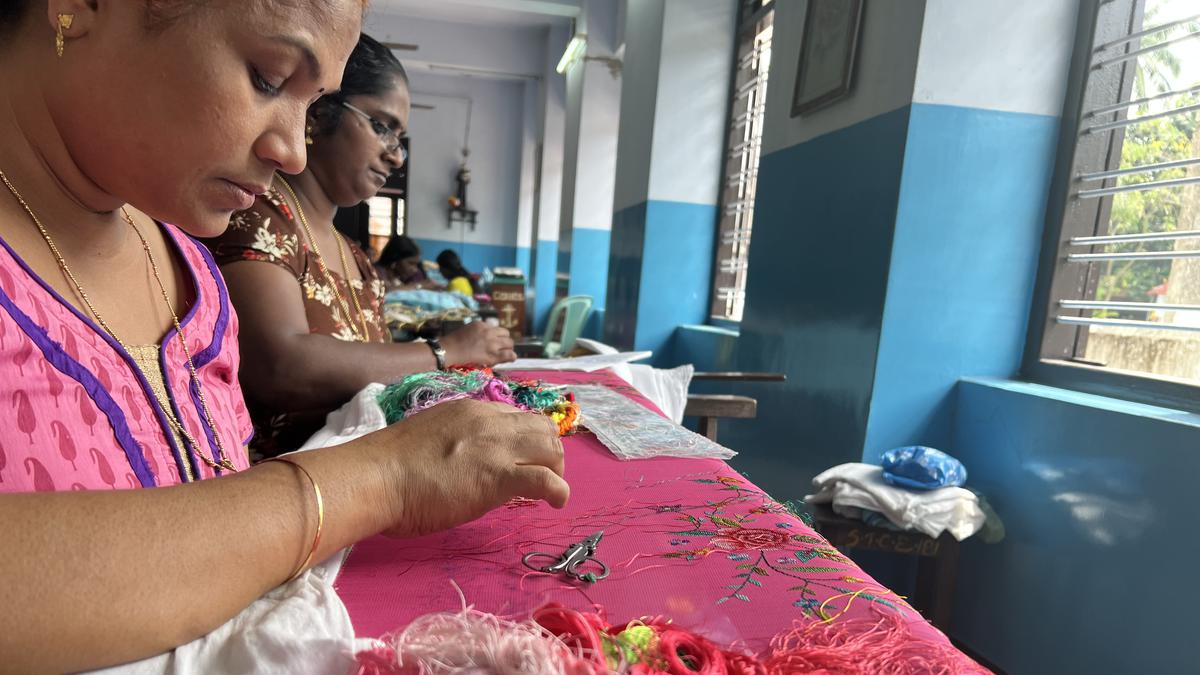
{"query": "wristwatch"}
(439, 352)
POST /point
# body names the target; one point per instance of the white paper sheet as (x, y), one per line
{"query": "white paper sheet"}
(585, 364)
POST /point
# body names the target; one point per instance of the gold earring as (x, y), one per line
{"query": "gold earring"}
(64, 23)
(308, 132)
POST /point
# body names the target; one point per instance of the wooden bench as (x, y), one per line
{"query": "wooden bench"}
(710, 408)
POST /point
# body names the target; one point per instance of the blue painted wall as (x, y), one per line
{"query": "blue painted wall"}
(823, 227)
(524, 261)
(963, 264)
(708, 348)
(547, 268)
(589, 272)
(474, 256)
(625, 276)
(661, 272)
(1097, 571)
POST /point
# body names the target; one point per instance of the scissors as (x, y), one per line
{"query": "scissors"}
(571, 560)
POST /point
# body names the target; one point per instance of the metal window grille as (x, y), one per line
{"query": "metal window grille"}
(740, 170)
(1125, 292)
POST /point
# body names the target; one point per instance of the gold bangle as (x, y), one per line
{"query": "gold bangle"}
(312, 551)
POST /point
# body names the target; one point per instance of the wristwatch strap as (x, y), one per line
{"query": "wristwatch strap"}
(439, 352)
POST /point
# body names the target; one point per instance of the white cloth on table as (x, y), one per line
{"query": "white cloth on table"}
(667, 388)
(854, 487)
(299, 627)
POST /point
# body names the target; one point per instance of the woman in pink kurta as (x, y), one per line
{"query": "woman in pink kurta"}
(116, 117)
(66, 384)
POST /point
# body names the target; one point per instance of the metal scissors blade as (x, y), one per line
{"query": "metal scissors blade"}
(571, 560)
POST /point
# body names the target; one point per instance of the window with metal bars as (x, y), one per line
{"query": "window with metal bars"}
(739, 179)
(1121, 274)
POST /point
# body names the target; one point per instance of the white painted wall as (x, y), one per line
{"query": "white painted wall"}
(526, 199)
(884, 75)
(639, 94)
(553, 99)
(693, 100)
(1011, 56)
(509, 49)
(599, 122)
(497, 129)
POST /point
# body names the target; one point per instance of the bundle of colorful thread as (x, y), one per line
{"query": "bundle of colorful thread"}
(424, 390)
(561, 640)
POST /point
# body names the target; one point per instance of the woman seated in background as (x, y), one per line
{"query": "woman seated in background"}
(457, 276)
(96, 574)
(400, 265)
(309, 300)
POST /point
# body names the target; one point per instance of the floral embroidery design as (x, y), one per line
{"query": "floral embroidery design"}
(763, 544)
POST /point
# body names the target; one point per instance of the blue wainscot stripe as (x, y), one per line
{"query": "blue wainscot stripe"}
(547, 268)
(474, 256)
(818, 276)
(589, 270)
(1096, 496)
(677, 269)
(964, 260)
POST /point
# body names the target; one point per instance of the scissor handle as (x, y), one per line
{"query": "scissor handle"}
(543, 568)
(573, 571)
(559, 564)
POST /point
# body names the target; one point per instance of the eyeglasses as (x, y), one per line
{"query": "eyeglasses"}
(391, 139)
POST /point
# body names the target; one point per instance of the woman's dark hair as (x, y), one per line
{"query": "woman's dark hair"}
(11, 13)
(372, 70)
(452, 267)
(399, 248)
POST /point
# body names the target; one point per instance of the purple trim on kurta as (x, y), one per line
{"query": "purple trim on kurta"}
(172, 334)
(206, 355)
(57, 357)
(116, 347)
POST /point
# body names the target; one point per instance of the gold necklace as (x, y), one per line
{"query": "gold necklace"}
(366, 334)
(175, 424)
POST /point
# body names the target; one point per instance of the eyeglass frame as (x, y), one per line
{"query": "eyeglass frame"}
(383, 131)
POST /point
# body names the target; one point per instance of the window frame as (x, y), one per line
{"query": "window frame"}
(1043, 333)
(750, 13)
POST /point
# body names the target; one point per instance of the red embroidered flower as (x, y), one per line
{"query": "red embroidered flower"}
(750, 539)
(686, 654)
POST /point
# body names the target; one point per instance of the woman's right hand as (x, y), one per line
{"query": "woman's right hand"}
(478, 344)
(458, 460)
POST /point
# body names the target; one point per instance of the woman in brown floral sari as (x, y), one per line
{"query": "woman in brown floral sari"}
(309, 300)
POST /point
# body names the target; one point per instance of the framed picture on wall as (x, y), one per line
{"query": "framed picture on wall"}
(827, 51)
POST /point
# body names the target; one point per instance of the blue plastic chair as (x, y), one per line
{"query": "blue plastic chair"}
(573, 311)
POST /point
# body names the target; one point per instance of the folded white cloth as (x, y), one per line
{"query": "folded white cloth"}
(854, 487)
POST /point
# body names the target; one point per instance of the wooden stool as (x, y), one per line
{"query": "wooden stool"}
(937, 559)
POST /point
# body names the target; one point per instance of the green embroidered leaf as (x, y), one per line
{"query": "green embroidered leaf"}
(720, 600)
(808, 539)
(706, 481)
(818, 570)
(696, 533)
(759, 570)
(745, 566)
(741, 597)
(724, 522)
(756, 582)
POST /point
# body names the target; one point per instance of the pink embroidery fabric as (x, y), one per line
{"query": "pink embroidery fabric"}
(688, 539)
